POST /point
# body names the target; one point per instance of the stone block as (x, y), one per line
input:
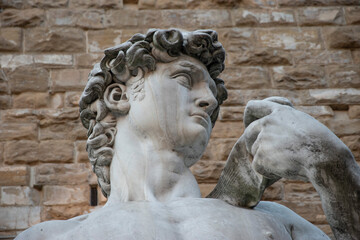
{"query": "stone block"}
(274, 192)
(16, 218)
(321, 16)
(28, 79)
(87, 60)
(19, 116)
(289, 38)
(352, 15)
(343, 76)
(227, 130)
(260, 56)
(231, 113)
(102, 39)
(67, 130)
(237, 39)
(47, 3)
(15, 195)
(53, 60)
(245, 77)
(54, 116)
(206, 189)
(298, 3)
(5, 102)
(14, 61)
(72, 99)
(146, 4)
(30, 151)
(1, 152)
(317, 111)
(263, 17)
(13, 4)
(335, 96)
(10, 39)
(301, 192)
(88, 19)
(219, 149)
(356, 56)
(63, 212)
(342, 37)
(69, 79)
(121, 18)
(55, 40)
(4, 86)
(31, 100)
(354, 111)
(341, 125)
(166, 4)
(81, 154)
(60, 174)
(300, 77)
(22, 18)
(65, 195)
(207, 171)
(322, 57)
(102, 4)
(14, 176)
(201, 18)
(15, 131)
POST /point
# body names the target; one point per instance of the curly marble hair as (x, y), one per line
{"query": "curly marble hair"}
(134, 58)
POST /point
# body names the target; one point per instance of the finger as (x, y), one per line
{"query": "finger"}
(251, 134)
(256, 109)
(279, 100)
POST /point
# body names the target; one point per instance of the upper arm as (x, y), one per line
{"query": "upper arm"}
(298, 227)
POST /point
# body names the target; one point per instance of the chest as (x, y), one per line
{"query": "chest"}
(209, 220)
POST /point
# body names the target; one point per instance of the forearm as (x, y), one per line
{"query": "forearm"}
(338, 183)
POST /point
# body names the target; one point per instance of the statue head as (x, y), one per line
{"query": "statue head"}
(145, 79)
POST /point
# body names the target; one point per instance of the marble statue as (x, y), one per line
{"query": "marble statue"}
(150, 106)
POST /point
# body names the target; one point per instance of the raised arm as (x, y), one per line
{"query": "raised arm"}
(287, 143)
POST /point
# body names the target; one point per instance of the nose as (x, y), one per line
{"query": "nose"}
(207, 101)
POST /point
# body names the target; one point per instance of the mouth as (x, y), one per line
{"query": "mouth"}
(201, 118)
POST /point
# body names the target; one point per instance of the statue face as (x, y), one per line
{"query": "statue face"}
(179, 99)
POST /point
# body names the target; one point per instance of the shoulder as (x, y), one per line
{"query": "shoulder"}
(48, 230)
(295, 224)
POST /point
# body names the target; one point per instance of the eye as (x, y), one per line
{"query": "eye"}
(184, 79)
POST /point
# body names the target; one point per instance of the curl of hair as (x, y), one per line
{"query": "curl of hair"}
(122, 62)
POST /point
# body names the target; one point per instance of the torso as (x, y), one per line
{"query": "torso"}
(183, 219)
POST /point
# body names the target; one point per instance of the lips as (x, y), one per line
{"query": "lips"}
(202, 118)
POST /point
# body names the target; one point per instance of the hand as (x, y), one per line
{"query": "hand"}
(285, 142)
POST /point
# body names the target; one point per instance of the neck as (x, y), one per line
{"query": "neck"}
(145, 169)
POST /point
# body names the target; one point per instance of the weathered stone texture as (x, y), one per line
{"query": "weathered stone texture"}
(322, 57)
(69, 195)
(15, 195)
(352, 15)
(207, 171)
(354, 111)
(342, 37)
(47, 3)
(298, 77)
(121, 18)
(31, 151)
(60, 174)
(28, 78)
(321, 16)
(289, 38)
(84, 60)
(297, 3)
(13, 217)
(263, 17)
(69, 79)
(219, 149)
(335, 96)
(344, 76)
(37, 100)
(54, 40)
(10, 39)
(14, 175)
(246, 77)
(53, 60)
(22, 18)
(96, 4)
(102, 39)
(88, 19)
(63, 212)
(15, 131)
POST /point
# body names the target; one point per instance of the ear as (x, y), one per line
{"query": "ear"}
(115, 98)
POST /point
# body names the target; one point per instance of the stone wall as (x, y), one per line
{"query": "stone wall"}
(307, 51)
